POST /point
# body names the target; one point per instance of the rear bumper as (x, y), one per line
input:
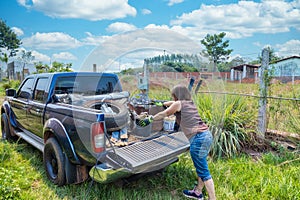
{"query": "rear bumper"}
(103, 174)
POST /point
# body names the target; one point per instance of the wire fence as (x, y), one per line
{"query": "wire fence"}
(283, 113)
(250, 95)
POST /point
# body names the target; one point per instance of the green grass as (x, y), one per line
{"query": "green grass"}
(23, 177)
(269, 176)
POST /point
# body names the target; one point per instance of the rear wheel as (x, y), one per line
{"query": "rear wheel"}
(54, 162)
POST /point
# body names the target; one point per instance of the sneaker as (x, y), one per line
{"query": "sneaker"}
(192, 194)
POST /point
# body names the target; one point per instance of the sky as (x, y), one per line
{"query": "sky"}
(110, 33)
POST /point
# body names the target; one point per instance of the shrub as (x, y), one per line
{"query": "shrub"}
(230, 120)
(11, 84)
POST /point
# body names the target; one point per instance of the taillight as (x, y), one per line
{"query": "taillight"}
(98, 137)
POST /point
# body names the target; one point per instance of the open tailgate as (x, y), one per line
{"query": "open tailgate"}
(149, 155)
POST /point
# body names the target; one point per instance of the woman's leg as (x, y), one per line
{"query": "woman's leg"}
(200, 185)
(199, 149)
(209, 185)
(210, 188)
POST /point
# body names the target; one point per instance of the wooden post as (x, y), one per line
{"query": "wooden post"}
(94, 68)
(263, 89)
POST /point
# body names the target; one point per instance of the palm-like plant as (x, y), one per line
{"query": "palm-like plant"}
(230, 120)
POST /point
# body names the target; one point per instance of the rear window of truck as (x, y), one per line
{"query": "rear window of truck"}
(87, 85)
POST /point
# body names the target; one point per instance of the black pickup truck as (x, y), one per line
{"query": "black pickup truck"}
(72, 117)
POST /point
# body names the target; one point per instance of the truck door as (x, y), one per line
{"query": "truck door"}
(36, 107)
(20, 102)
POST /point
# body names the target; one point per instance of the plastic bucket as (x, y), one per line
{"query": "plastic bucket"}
(169, 123)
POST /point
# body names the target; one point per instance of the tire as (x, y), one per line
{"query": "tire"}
(54, 162)
(5, 131)
(117, 120)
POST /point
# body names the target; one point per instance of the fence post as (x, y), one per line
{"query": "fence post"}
(263, 89)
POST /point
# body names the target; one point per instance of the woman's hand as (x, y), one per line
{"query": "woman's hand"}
(174, 106)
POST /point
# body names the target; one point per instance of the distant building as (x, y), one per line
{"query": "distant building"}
(245, 71)
(15, 70)
(287, 69)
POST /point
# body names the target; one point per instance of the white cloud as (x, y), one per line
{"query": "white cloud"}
(154, 26)
(17, 31)
(119, 27)
(146, 12)
(258, 44)
(39, 57)
(63, 56)
(242, 19)
(139, 44)
(93, 40)
(290, 48)
(172, 2)
(55, 40)
(84, 9)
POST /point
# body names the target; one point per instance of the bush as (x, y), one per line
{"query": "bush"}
(230, 120)
(11, 84)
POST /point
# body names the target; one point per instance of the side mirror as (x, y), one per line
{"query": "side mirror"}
(11, 92)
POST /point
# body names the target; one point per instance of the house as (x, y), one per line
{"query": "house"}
(286, 69)
(245, 71)
(16, 70)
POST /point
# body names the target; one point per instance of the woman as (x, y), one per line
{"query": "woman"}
(197, 132)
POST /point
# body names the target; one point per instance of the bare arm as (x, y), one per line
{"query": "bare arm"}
(168, 103)
(175, 106)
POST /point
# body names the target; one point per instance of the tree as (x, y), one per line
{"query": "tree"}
(60, 67)
(26, 57)
(41, 68)
(4, 58)
(8, 40)
(226, 66)
(216, 48)
(272, 56)
(9, 43)
(56, 67)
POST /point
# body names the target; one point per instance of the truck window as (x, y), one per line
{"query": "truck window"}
(39, 91)
(87, 85)
(25, 90)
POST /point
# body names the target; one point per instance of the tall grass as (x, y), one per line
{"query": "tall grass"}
(230, 119)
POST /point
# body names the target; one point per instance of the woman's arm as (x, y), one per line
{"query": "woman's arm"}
(168, 103)
(175, 106)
